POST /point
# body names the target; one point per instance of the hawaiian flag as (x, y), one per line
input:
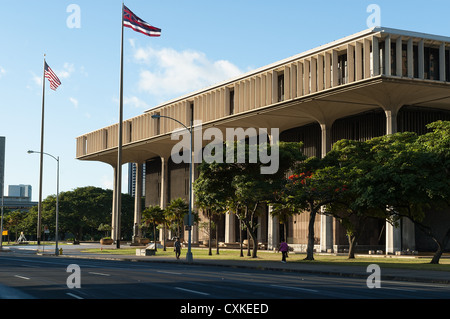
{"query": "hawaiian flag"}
(132, 21)
(51, 76)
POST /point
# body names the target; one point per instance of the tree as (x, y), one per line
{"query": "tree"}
(81, 211)
(239, 186)
(175, 212)
(212, 191)
(408, 179)
(153, 215)
(353, 160)
(312, 186)
(437, 142)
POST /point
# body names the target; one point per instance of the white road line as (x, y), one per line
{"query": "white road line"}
(75, 296)
(193, 291)
(296, 288)
(22, 277)
(401, 289)
(98, 273)
(169, 272)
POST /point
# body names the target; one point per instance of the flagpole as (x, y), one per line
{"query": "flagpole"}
(41, 159)
(118, 197)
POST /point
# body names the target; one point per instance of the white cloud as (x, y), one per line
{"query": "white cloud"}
(136, 102)
(2, 71)
(67, 70)
(74, 101)
(36, 79)
(171, 72)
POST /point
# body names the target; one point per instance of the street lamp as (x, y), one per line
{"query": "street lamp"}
(189, 257)
(57, 196)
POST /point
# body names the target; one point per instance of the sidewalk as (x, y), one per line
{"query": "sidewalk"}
(427, 276)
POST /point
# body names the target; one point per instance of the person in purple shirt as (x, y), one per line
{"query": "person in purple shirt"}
(284, 248)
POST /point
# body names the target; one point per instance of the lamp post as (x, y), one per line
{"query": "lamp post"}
(57, 197)
(189, 256)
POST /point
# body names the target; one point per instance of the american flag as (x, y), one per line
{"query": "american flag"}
(132, 21)
(51, 76)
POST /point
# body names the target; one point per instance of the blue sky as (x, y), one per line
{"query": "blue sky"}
(202, 43)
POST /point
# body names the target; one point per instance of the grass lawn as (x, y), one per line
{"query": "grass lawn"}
(228, 254)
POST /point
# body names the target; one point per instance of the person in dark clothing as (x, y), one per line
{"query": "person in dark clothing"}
(177, 248)
(284, 248)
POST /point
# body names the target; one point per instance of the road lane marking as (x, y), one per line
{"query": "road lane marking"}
(99, 273)
(296, 288)
(22, 277)
(169, 272)
(193, 291)
(75, 296)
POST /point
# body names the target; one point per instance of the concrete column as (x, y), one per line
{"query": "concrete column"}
(408, 234)
(393, 234)
(320, 77)
(230, 227)
(391, 121)
(335, 70)
(138, 203)
(375, 57)
(300, 79)
(351, 63)
(273, 224)
(403, 237)
(410, 58)
(273, 231)
(442, 62)
(326, 222)
(387, 55)
(398, 57)
(366, 59)
(358, 61)
(327, 70)
(306, 77)
(164, 189)
(114, 213)
(421, 59)
(313, 71)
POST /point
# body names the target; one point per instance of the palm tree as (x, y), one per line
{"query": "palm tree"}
(153, 215)
(175, 212)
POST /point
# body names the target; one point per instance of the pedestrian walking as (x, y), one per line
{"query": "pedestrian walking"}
(177, 248)
(284, 248)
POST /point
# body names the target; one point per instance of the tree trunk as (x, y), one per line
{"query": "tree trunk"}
(248, 242)
(217, 236)
(351, 246)
(441, 246)
(154, 235)
(210, 235)
(240, 238)
(164, 236)
(310, 247)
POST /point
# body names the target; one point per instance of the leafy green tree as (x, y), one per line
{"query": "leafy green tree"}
(353, 161)
(81, 211)
(312, 186)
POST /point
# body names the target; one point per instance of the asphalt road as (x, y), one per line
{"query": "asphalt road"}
(45, 277)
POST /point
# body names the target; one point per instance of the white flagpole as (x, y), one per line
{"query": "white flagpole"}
(118, 197)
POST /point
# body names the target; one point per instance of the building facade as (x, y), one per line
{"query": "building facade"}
(375, 82)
